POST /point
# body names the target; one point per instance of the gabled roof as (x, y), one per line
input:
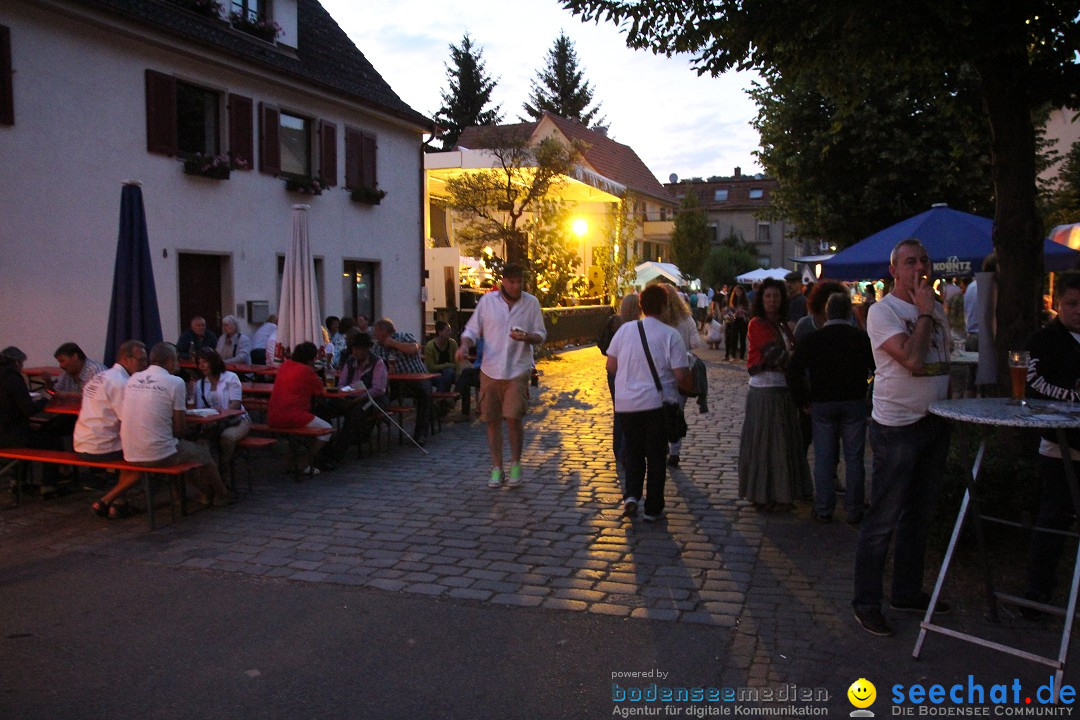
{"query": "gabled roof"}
(611, 159)
(324, 57)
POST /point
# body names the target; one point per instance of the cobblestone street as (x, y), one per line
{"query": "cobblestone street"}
(777, 585)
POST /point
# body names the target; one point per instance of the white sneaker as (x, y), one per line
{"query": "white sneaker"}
(310, 470)
(630, 507)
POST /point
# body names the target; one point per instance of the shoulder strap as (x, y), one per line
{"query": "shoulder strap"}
(648, 356)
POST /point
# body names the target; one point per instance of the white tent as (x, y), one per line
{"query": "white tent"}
(650, 270)
(762, 273)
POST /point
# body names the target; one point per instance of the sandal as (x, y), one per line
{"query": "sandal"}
(119, 511)
(101, 508)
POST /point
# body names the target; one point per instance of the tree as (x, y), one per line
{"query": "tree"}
(496, 203)
(1063, 201)
(845, 173)
(615, 256)
(560, 88)
(469, 92)
(725, 263)
(692, 238)
(1023, 55)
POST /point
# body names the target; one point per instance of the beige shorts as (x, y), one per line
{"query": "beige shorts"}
(503, 398)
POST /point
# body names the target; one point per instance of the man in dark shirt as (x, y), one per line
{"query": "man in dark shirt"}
(16, 409)
(838, 360)
(1054, 374)
(195, 338)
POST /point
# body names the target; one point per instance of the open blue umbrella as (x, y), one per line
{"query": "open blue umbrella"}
(956, 241)
(133, 314)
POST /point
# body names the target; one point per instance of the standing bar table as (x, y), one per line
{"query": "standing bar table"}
(1002, 412)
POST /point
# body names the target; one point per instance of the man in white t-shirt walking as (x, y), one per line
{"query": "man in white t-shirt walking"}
(909, 334)
(639, 405)
(510, 322)
(153, 421)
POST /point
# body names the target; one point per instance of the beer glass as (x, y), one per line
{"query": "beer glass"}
(1018, 367)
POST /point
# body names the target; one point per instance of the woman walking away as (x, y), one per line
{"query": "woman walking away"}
(772, 465)
(738, 314)
(677, 315)
(649, 363)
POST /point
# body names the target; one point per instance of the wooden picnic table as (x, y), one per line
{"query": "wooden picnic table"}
(265, 389)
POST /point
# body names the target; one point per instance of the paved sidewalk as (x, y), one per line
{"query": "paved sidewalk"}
(772, 590)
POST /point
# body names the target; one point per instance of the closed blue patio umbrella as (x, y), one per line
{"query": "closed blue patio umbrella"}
(133, 313)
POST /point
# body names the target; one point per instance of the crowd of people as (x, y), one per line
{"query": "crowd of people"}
(819, 373)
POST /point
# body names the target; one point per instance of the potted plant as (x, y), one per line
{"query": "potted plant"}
(216, 167)
(206, 8)
(261, 28)
(368, 194)
(303, 185)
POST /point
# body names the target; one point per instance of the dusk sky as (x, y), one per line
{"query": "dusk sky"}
(676, 121)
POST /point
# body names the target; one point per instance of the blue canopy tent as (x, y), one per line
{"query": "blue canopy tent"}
(957, 242)
(133, 314)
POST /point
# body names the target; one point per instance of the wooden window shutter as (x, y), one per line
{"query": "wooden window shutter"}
(367, 160)
(160, 113)
(241, 137)
(269, 149)
(327, 153)
(7, 79)
(352, 159)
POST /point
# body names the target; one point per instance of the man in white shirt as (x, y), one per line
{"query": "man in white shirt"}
(510, 322)
(153, 414)
(638, 402)
(261, 337)
(909, 334)
(97, 431)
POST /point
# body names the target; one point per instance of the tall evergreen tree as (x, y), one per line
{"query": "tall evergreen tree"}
(468, 94)
(691, 240)
(560, 87)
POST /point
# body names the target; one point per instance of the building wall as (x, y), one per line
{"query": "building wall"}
(80, 130)
(741, 212)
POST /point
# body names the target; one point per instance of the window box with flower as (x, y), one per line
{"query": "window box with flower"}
(206, 8)
(303, 185)
(367, 194)
(216, 167)
(261, 28)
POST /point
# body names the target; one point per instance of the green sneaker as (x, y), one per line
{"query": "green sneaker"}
(515, 475)
(496, 478)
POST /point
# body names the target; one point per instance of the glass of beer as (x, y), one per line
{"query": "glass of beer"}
(1018, 367)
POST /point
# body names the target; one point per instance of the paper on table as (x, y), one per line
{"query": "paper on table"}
(202, 412)
(347, 388)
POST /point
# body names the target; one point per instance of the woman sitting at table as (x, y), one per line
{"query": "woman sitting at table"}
(220, 389)
(233, 346)
(295, 387)
(360, 366)
(16, 409)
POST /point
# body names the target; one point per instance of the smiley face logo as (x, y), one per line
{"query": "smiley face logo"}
(862, 693)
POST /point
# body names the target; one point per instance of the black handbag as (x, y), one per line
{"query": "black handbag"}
(674, 420)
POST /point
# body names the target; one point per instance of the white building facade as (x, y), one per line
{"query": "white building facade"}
(103, 91)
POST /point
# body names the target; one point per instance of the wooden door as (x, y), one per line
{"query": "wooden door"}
(200, 289)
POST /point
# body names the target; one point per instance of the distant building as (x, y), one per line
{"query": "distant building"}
(735, 206)
(94, 92)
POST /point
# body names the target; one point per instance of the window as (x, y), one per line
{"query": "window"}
(756, 193)
(250, 9)
(294, 136)
(197, 120)
(7, 97)
(720, 196)
(359, 289)
(763, 233)
(184, 119)
(360, 160)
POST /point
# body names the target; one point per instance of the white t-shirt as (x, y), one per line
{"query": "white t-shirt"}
(150, 398)
(635, 389)
(97, 431)
(899, 397)
(228, 390)
(493, 320)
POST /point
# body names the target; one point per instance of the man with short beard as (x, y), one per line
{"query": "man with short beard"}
(510, 322)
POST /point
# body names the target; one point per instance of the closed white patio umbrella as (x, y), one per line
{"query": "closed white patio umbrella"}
(299, 319)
